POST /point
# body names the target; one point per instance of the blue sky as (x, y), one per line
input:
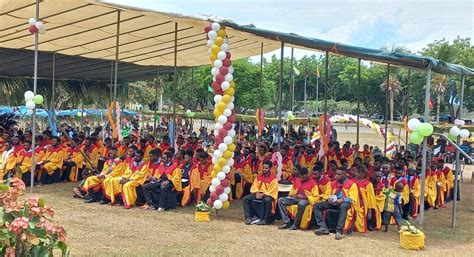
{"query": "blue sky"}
(367, 23)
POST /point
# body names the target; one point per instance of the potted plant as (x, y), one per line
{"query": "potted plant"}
(202, 212)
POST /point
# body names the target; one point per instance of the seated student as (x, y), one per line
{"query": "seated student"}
(52, 163)
(303, 194)
(72, 164)
(367, 199)
(287, 163)
(376, 222)
(345, 197)
(431, 181)
(392, 206)
(134, 176)
(8, 160)
(448, 180)
(186, 168)
(243, 177)
(23, 163)
(103, 152)
(160, 191)
(258, 205)
(323, 182)
(92, 153)
(200, 176)
(331, 172)
(113, 167)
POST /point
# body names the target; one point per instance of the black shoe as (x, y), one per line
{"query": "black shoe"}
(321, 231)
(285, 226)
(248, 221)
(103, 202)
(370, 229)
(294, 227)
(262, 222)
(90, 200)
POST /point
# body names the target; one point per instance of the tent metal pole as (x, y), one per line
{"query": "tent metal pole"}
(111, 94)
(280, 94)
(425, 148)
(292, 93)
(406, 106)
(260, 98)
(117, 42)
(156, 99)
(33, 116)
(458, 166)
(326, 88)
(53, 94)
(175, 82)
(305, 92)
(386, 111)
(358, 101)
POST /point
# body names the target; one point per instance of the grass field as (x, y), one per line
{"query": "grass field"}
(95, 230)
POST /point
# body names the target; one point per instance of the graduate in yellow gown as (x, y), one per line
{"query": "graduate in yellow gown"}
(259, 204)
(23, 163)
(73, 164)
(243, 177)
(200, 176)
(323, 182)
(448, 180)
(125, 185)
(414, 185)
(367, 198)
(52, 162)
(431, 181)
(7, 160)
(92, 153)
(287, 163)
(299, 203)
(379, 199)
(92, 189)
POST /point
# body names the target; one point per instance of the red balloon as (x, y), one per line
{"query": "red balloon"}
(224, 70)
(210, 202)
(219, 138)
(228, 55)
(33, 29)
(225, 183)
(219, 189)
(216, 146)
(207, 28)
(231, 118)
(226, 62)
(228, 176)
(227, 126)
(214, 196)
(219, 78)
(218, 92)
(216, 85)
(222, 132)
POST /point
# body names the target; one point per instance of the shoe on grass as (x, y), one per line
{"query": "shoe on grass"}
(339, 236)
(248, 221)
(294, 227)
(285, 226)
(321, 231)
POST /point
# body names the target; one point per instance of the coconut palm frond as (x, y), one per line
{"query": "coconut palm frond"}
(394, 84)
(440, 83)
(8, 121)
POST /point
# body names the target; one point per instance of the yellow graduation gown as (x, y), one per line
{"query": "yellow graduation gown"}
(136, 174)
(173, 173)
(243, 168)
(268, 185)
(367, 202)
(54, 156)
(349, 190)
(312, 192)
(92, 152)
(200, 179)
(112, 168)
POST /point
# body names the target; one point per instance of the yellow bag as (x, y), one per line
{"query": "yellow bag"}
(412, 241)
(202, 216)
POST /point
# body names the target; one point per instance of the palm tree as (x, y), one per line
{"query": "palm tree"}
(393, 88)
(440, 82)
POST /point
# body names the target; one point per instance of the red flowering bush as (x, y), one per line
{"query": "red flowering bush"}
(25, 226)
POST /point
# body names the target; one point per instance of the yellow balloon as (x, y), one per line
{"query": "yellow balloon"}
(226, 99)
(227, 154)
(231, 147)
(230, 91)
(217, 113)
(215, 49)
(214, 174)
(225, 205)
(222, 162)
(221, 106)
(213, 57)
(232, 84)
(215, 169)
(219, 41)
(221, 33)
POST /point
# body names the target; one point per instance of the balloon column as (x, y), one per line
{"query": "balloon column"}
(456, 131)
(36, 26)
(419, 130)
(224, 88)
(31, 100)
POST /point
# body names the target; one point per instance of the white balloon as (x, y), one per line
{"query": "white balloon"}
(230, 162)
(217, 98)
(226, 168)
(230, 105)
(212, 188)
(30, 105)
(217, 204)
(228, 140)
(216, 26)
(218, 126)
(221, 176)
(455, 131)
(413, 124)
(42, 31)
(228, 77)
(464, 133)
(222, 148)
(29, 95)
(223, 197)
(188, 111)
(218, 63)
(225, 47)
(214, 71)
(222, 119)
(215, 182)
(210, 43)
(290, 113)
(227, 112)
(221, 55)
(217, 154)
(39, 25)
(212, 35)
(227, 190)
(32, 21)
(231, 69)
(214, 160)
(232, 99)
(225, 85)
(216, 132)
(231, 133)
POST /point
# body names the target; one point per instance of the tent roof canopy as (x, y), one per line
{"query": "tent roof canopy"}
(81, 30)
